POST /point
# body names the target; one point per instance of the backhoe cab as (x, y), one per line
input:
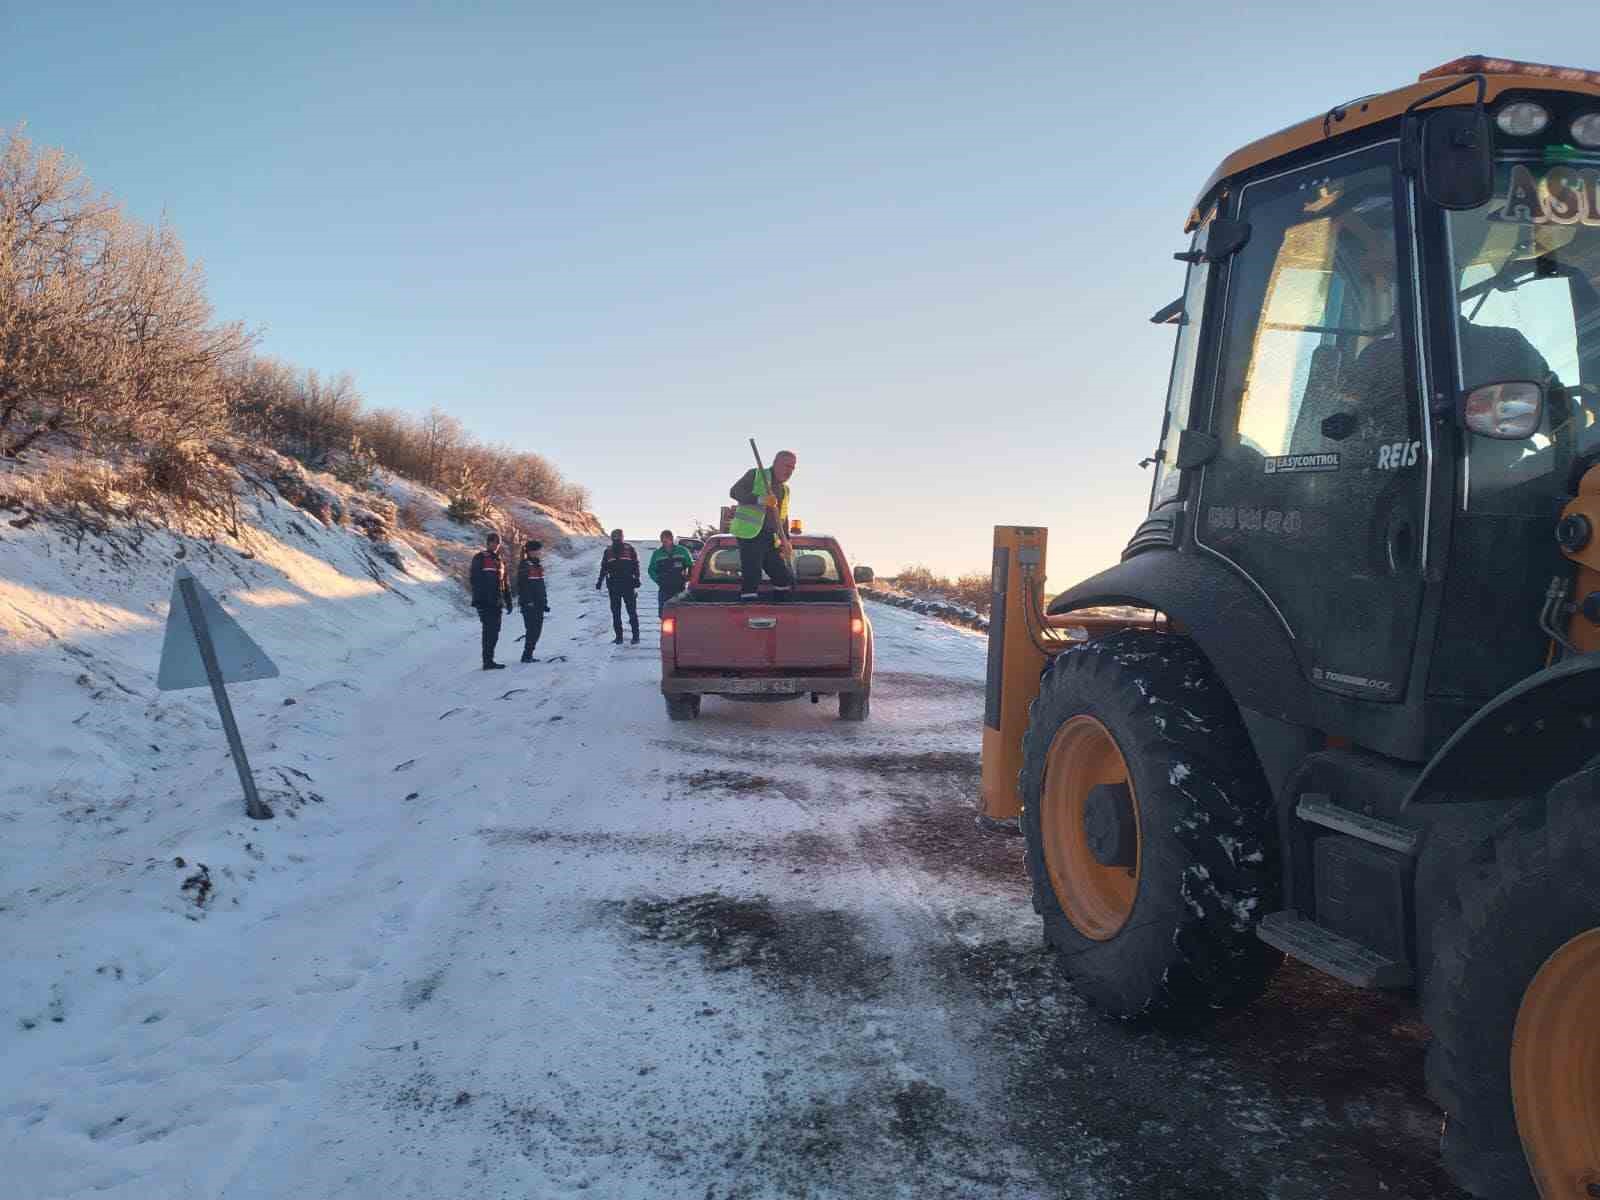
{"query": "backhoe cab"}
(1340, 698)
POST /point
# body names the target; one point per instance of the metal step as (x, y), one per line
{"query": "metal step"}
(1320, 810)
(1327, 951)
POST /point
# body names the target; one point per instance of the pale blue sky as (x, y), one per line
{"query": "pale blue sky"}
(915, 242)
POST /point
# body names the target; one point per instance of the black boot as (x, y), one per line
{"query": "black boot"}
(617, 641)
(494, 666)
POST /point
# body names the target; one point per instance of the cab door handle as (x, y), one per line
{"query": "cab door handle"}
(762, 622)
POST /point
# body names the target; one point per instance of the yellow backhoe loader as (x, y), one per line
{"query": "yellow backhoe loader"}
(1340, 699)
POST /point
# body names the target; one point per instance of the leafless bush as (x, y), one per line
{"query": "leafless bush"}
(412, 516)
(189, 473)
(971, 590)
(107, 338)
(298, 413)
(76, 486)
(105, 331)
(918, 578)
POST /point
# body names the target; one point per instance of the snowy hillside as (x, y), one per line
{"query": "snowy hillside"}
(127, 872)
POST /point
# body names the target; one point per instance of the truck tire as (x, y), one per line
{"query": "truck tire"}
(683, 707)
(1511, 996)
(855, 706)
(1151, 839)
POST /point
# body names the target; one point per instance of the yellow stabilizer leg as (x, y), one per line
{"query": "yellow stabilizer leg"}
(1015, 664)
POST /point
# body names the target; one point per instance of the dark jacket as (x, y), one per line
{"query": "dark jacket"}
(670, 568)
(530, 585)
(619, 567)
(491, 585)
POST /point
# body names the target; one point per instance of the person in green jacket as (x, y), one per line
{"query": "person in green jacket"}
(669, 567)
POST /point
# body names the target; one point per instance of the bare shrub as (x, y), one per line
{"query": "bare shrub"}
(971, 589)
(188, 472)
(412, 516)
(55, 242)
(76, 486)
(105, 331)
(107, 339)
(918, 578)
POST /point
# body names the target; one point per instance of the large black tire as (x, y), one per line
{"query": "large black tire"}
(1208, 845)
(1527, 889)
(683, 707)
(855, 706)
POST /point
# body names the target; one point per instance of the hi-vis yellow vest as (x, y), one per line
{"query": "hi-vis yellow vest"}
(748, 519)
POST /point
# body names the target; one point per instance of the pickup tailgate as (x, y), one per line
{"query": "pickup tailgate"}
(796, 636)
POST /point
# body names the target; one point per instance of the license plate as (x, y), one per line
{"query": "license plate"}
(757, 687)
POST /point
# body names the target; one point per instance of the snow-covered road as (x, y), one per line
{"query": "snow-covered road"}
(514, 934)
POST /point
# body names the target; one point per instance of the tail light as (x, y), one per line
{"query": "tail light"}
(669, 626)
(857, 626)
(858, 640)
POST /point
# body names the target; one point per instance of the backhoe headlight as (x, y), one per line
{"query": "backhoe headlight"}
(1522, 118)
(1586, 130)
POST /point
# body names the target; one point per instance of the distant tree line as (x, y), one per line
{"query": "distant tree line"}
(971, 589)
(107, 338)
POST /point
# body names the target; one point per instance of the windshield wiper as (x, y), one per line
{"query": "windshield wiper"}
(1503, 280)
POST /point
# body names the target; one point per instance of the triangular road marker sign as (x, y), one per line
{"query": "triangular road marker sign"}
(239, 659)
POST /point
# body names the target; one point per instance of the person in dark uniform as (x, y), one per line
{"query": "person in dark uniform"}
(531, 597)
(491, 592)
(619, 572)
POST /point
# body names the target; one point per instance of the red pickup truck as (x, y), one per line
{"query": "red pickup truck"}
(816, 641)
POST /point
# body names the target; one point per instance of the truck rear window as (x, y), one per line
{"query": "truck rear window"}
(812, 564)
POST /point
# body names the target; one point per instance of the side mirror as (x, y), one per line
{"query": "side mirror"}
(1225, 238)
(1507, 412)
(1457, 158)
(863, 574)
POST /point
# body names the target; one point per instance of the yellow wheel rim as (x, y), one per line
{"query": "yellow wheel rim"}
(1097, 899)
(1555, 1070)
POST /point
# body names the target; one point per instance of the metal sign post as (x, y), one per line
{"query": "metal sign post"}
(190, 623)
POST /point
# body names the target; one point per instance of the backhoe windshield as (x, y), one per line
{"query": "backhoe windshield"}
(1527, 265)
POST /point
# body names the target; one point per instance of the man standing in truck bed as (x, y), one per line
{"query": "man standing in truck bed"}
(761, 523)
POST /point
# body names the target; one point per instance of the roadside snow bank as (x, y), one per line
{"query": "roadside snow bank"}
(121, 827)
(943, 610)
